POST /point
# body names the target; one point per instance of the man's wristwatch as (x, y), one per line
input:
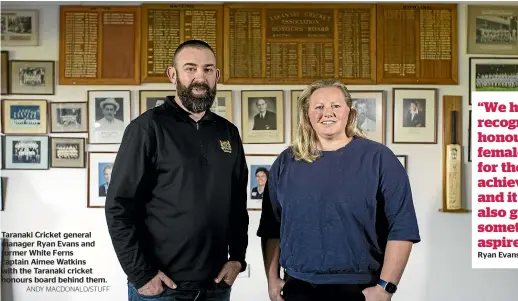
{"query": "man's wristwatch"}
(388, 286)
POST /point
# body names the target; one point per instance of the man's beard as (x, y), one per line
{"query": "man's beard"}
(196, 103)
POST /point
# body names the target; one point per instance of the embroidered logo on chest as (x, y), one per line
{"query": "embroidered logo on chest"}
(225, 146)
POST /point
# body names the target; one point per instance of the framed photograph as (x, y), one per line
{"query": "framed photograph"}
(67, 152)
(259, 168)
(20, 27)
(100, 165)
(5, 71)
(414, 115)
(262, 114)
(469, 137)
(21, 116)
(149, 99)
(26, 152)
(294, 101)
(493, 74)
(223, 105)
(68, 117)
(109, 113)
(32, 77)
(492, 29)
(370, 108)
(403, 159)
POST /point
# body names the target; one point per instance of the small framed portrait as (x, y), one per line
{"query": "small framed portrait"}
(262, 117)
(32, 77)
(24, 116)
(259, 168)
(149, 99)
(370, 109)
(294, 101)
(5, 71)
(67, 152)
(26, 152)
(414, 116)
(20, 27)
(403, 159)
(492, 29)
(493, 74)
(109, 113)
(223, 105)
(68, 117)
(100, 165)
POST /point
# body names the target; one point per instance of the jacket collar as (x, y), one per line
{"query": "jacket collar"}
(182, 114)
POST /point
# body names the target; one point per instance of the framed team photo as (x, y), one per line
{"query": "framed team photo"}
(26, 152)
(66, 152)
(258, 168)
(149, 99)
(370, 108)
(262, 115)
(109, 112)
(68, 117)
(414, 116)
(31, 77)
(294, 100)
(493, 74)
(24, 116)
(100, 166)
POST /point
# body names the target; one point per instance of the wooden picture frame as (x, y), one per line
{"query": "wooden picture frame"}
(25, 152)
(67, 152)
(258, 170)
(294, 118)
(268, 129)
(482, 67)
(223, 105)
(5, 75)
(404, 161)
(68, 117)
(149, 99)
(22, 27)
(109, 113)
(24, 116)
(100, 165)
(32, 77)
(370, 107)
(492, 29)
(420, 128)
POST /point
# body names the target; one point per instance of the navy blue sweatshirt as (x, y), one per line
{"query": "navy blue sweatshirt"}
(337, 213)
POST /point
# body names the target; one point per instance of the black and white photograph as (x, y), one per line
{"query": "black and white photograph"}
(26, 152)
(414, 115)
(32, 77)
(370, 112)
(109, 114)
(492, 29)
(294, 95)
(68, 117)
(262, 113)
(223, 104)
(149, 99)
(99, 176)
(24, 116)
(493, 74)
(67, 152)
(263, 116)
(20, 27)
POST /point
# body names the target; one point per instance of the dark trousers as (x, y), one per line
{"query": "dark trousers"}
(298, 290)
(186, 291)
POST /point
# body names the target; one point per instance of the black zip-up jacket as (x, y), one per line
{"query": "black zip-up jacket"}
(177, 200)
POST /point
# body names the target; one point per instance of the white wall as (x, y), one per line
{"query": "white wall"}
(439, 268)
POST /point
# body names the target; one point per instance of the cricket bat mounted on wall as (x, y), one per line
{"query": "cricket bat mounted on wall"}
(453, 169)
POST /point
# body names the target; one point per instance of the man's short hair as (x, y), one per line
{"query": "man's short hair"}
(193, 44)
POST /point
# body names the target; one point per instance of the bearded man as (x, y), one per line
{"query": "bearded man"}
(176, 209)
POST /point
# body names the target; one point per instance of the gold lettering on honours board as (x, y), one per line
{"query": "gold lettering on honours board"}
(300, 24)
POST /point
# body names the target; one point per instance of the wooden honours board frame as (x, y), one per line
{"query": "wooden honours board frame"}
(299, 43)
(165, 26)
(99, 45)
(417, 44)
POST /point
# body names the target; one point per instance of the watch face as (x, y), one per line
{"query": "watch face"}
(390, 288)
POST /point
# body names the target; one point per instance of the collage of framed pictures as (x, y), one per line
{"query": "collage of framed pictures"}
(100, 165)
(262, 117)
(258, 168)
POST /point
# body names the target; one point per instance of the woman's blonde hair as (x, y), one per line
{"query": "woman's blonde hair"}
(305, 145)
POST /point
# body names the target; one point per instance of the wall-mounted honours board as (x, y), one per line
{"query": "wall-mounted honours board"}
(165, 26)
(299, 43)
(99, 45)
(417, 44)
